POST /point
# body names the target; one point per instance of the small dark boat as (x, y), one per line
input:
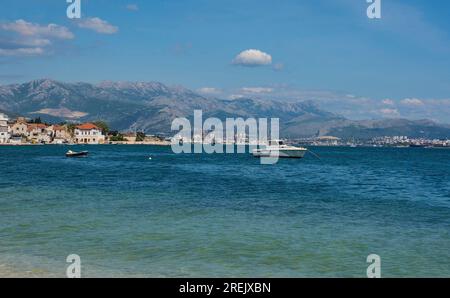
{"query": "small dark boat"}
(70, 153)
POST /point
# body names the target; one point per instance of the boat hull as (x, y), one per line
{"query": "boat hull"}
(77, 154)
(279, 153)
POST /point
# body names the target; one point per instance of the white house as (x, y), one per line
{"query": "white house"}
(88, 133)
(38, 133)
(19, 128)
(4, 133)
(59, 134)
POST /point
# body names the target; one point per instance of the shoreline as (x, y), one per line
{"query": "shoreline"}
(122, 143)
(163, 144)
(7, 271)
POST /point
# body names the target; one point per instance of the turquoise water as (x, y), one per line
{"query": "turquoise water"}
(225, 215)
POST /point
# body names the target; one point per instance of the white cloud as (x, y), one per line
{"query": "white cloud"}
(252, 57)
(388, 102)
(256, 90)
(29, 39)
(412, 102)
(35, 42)
(439, 102)
(355, 107)
(22, 52)
(133, 7)
(25, 28)
(98, 25)
(209, 90)
(390, 112)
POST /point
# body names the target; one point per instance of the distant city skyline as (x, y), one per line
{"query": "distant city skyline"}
(327, 51)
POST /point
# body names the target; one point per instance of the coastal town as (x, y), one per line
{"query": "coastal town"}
(385, 141)
(22, 131)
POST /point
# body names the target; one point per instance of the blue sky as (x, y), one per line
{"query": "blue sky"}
(325, 50)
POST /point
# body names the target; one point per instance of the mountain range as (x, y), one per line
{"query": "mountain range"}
(151, 107)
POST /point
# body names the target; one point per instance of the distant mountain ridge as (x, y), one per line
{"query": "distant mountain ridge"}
(151, 107)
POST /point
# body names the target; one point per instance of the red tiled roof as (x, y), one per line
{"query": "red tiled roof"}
(58, 127)
(32, 126)
(87, 126)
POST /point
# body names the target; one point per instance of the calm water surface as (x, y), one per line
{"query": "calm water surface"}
(225, 215)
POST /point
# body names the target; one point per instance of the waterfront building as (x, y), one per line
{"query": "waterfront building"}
(16, 140)
(59, 134)
(4, 130)
(88, 133)
(328, 141)
(19, 128)
(38, 133)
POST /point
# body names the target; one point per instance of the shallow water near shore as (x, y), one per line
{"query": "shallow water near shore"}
(224, 215)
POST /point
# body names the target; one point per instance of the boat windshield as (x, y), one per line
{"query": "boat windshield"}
(276, 143)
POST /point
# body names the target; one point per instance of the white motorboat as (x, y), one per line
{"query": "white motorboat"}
(70, 153)
(279, 149)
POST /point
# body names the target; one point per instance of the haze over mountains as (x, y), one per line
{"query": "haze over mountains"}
(151, 107)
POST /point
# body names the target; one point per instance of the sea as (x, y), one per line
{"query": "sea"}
(143, 211)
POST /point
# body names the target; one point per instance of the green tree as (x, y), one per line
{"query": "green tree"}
(36, 120)
(140, 137)
(103, 126)
(118, 138)
(71, 128)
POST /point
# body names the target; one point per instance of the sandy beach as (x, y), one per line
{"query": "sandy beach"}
(8, 272)
(23, 269)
